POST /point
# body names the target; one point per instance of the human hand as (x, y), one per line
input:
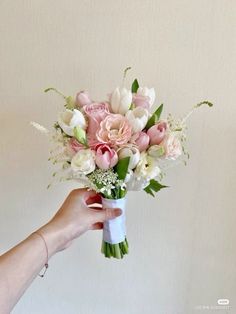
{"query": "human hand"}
(81, 211)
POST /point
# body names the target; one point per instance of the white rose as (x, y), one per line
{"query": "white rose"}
(83, 161)
(132, 152)
(138, 118)
(121, 100)
(148, 92)
(147, 167)
(69, 119)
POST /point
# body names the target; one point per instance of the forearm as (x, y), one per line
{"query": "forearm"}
(20, 265)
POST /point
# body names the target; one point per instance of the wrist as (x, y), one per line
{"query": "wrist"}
(54, 238)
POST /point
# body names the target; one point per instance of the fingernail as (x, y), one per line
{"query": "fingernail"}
(117, 211)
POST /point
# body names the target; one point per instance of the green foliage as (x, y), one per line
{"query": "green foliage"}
(80, 135)
(205, 102)
(154, 186)
(155, 117)
(135, 86)
(122, 167)
(70, 103)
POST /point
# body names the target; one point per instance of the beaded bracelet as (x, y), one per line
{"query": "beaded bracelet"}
(46, 264)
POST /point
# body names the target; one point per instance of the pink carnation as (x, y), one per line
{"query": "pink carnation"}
(172, 146)
(115, 130)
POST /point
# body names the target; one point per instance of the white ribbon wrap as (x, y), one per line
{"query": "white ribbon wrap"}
(114, 230)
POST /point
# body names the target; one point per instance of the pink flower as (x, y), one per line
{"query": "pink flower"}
(115, 130)
(73, 147)
(83, 99)
(106, 157)
(141, 101)
(157, 133)
(141, 139)
(172, 146)
(96, 112)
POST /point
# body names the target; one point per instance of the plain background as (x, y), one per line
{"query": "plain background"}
(182, 254)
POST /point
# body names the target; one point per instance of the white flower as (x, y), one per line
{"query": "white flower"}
(148, 92)
(136, 183)
(156, 151)
(132, 152)
(121, 100)
(147, 168)
(83, 162)
(138, 118)
(129, 175)
(69, 119)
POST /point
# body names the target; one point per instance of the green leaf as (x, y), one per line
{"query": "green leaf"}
(205, 102)
(122, 167)
(154, 186)
(80, 135)
(54, 90)
(135, 86)
(155, 117)
(70, 103)
(132, 106)
(125, 72)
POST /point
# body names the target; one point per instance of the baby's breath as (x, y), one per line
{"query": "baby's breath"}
(106, 182)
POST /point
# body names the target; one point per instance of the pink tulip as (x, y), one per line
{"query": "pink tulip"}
(157, 133)
(83, 99)
(142, 140)
(141, 101)
(106, 157)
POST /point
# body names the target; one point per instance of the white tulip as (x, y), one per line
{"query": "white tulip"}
(138, 118)
(129, 175)
(136, 183)
(147, 168)
(121, 100)
(83, 162)
(69, 119)
(132, 152)
(149, 92)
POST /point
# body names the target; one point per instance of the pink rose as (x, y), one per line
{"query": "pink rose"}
(96, 112)
(83, 99)
(115, 130)
(157, 133)
(141, 101)
(172, 146)
(106, 157)
(141, 139)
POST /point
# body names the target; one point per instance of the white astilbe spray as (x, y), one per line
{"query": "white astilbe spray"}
(40, 127)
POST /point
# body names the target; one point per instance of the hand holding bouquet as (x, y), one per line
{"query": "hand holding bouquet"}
(115, 146)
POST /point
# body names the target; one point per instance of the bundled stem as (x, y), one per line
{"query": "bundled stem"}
(115, 250)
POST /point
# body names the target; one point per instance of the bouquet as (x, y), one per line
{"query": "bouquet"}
(115, 146)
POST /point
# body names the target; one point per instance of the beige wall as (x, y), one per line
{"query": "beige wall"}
(183, 242)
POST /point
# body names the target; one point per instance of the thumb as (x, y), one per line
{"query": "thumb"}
(106, 214)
